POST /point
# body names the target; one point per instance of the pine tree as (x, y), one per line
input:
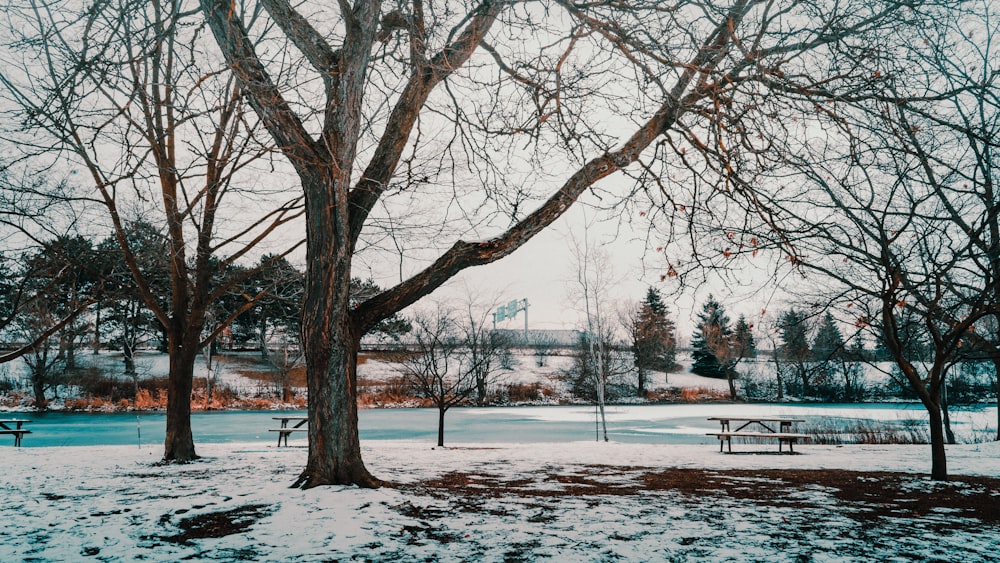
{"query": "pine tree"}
(711, 339)
(829, 342)
(795, 343)
(746, 346)
(653, 341)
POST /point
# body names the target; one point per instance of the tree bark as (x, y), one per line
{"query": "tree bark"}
(334, 447)
(996, 386)
(939, 463)
(731, 379)
(441, 412)
(330, 343)
(38, 386)
(179, 442)
(128, 356)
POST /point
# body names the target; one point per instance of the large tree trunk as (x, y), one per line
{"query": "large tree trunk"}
(334, 447)
(179, 443)
(330, 343)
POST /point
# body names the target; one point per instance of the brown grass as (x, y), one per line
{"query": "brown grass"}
(687, 395)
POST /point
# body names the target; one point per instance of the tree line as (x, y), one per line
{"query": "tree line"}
(75, 294)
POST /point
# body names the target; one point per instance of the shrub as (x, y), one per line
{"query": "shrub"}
(524, 392)
(93, 382)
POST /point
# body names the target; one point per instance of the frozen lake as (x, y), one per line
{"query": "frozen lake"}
(652, 424)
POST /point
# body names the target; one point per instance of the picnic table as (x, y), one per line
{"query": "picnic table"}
(763, 429)
(285, 431)
(17, 430)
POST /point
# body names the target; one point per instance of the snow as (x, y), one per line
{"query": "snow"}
(117, 504)
(518, 502)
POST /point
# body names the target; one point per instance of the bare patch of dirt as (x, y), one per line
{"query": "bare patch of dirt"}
(218, 524)
(872, 495)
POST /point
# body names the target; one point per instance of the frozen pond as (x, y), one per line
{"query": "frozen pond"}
(652, 424)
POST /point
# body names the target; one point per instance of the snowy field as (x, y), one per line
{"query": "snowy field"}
(583, 501)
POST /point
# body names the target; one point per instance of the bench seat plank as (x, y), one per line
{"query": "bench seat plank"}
(18, 434)
(779, 435)
(789, 438)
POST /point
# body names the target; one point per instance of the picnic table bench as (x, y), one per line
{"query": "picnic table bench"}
(783, 434)
(285, 431)
(17, 430)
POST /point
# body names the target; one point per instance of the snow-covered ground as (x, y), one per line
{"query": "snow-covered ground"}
(575, 501)
(582, 501)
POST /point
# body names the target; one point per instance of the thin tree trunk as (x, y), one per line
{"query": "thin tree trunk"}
(731, 379)
(128, 357)
(97, 328)
(946, 415)
(939, 463)
(996, 387)
(441, 412)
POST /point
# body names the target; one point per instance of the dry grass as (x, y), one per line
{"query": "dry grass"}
(687, 395)
(836, 431)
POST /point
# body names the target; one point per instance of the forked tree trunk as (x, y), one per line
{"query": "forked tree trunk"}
(330, 343)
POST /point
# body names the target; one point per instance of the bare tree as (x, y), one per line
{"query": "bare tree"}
(440, 370)
(593, 281)
(484, 347)
(44, 364)
(396, 102)
(893, 203)
(124, 93)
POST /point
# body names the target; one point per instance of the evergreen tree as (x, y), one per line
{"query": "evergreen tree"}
(746, 346)
(653, 342)
(829, 342)
(795, 343)
(712, 338)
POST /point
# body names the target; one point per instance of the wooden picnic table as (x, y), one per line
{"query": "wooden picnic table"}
(766, 431)
(17, 430)
(285, 431)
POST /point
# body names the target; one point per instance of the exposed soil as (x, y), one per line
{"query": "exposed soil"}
(864, 495)
(217, 524)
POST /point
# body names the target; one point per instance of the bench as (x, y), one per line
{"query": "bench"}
(18, 433)
(285, 432)
(789, 438)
